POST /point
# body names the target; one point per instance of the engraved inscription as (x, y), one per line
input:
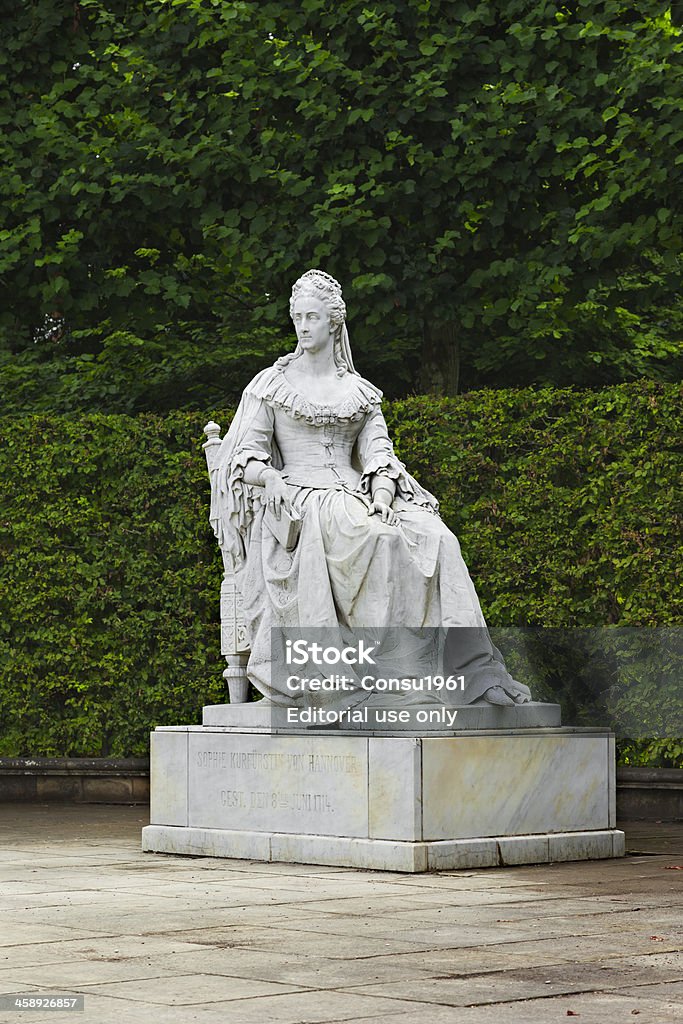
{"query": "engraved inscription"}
(278, 784)
(254, 760)
(212, 759)
(233, 798)
(262, 800)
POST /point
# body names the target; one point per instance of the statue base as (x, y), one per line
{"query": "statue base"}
(385, 802)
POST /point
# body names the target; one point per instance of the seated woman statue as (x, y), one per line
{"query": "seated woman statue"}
(309, 440)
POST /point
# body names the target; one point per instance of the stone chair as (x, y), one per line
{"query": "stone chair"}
(234, 644)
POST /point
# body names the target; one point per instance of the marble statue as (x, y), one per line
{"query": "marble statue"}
(322, 522)
(324, 531)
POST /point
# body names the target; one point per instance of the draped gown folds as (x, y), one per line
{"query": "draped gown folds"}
(348, 569)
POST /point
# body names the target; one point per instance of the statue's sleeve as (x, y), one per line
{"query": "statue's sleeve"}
(234, 502)
(376, 455)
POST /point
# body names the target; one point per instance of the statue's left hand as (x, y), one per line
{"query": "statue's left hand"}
(385, 512)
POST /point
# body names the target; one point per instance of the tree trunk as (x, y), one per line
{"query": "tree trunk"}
(440, 373)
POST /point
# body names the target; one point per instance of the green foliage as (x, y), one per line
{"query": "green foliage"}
(109, 582)
(174, 366)
(495, 182)
(650, 753)
(564, 503)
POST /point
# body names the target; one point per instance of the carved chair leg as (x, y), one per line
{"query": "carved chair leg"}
(235, 676)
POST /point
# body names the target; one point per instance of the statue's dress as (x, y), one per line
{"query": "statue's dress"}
(348, 569)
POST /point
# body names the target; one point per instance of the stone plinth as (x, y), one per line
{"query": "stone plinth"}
(392, 802)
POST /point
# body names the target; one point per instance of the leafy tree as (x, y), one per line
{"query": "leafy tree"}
(495, 184)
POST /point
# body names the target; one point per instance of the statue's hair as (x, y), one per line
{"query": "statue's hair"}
(319, 285)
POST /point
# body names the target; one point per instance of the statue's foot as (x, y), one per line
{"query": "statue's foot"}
(521, 698)
(497, 695)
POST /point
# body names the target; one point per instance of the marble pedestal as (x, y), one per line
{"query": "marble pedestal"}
(394, 802)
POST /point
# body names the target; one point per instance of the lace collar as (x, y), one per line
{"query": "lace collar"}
(272, 386)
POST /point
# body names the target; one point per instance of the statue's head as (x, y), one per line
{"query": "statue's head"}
(319, 285)
(323, 287)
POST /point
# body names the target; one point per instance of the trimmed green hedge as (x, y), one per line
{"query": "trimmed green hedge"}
(564, 502)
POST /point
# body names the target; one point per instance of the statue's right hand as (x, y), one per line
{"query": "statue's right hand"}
(277, 493)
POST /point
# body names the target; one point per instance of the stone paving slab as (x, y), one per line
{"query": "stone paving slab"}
(73, 973)
(94, 949)
(429, 907)
(151, 938)
(523, 983)
(178, 989)
(669, 991)
(591, 1008)
(293, 968)
(334, 945)
(336, 935)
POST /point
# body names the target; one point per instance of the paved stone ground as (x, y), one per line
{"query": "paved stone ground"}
(148, 938)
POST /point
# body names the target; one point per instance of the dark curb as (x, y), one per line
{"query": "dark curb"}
(89, 780)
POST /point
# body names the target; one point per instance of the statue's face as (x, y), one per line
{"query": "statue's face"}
(312, 324)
